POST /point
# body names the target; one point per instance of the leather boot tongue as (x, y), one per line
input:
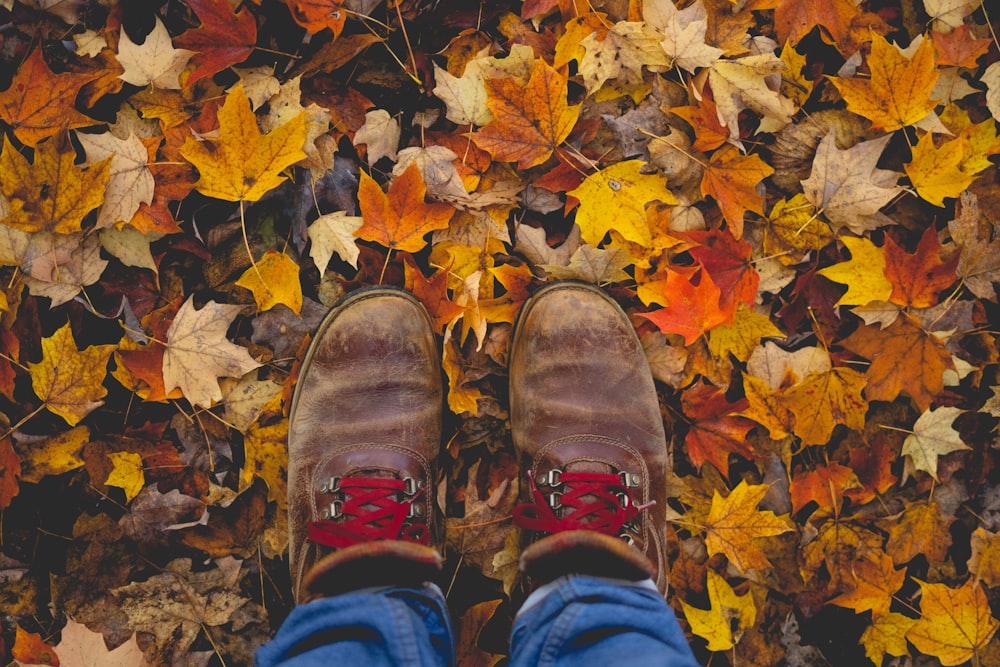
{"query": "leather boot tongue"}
(589, 466)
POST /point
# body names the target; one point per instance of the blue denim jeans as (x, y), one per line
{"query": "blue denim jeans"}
(575, 620)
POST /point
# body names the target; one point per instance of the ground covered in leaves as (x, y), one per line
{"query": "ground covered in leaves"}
(795, 201)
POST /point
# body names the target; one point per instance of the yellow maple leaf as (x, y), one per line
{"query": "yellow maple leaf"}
(743, 336)
(767, 407)
(273, 280)
(863, 273)
(887, 634)
(823, 400)
(734, 523)
(985, 559)
(954, 623)
(727, 617)
(127, 473)
(70, 381)
(793, 229)
(267, 458)
(243, 164)
(876, 580)
(399, 219)
(936, 171)
(52, 456)
(52, 194)
(616, 198)
(898, 92)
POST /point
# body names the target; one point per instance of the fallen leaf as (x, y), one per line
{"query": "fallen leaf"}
(692, 305)
(936, 171)
(70, 192)
(933, 436)
(198, 352)
(823, 400)
(729, 615)
(10, 471)
(155, 61)
(743, 336)
(243, 164)
(683, 33)
(922, 529)
(847, 187)
(267, 458)
(734, 524)
(898, 91)
(979, 256)
(317, 15)
(619, 56)
(864, 273)
(875, 584)
(917, 279)
(79, 647)
(399, 219)
(224, 38)
(470, 625)
(959, 47)
(616, 198)
(69, 380)
(127, 473)
(130, 182)
(29, 648)
(531, 120)
(380, 134)
(715, 430)
(51, 456)
(274, 280)
(954, 623)
(334, 233)
(825, 485)
(886, 634)
(741, 84)
(40, 104)
(732, 180)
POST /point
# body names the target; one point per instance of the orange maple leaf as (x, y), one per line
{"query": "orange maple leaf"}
(824, 484)
(692, 304)
(715, 431)
(841, 23)
(39, 104)
(731, 178)
(709, 132)
(876, 580)
(898, 92)
(905, 359)
(316, 15)
(398, 220)
(433, 293)
(727, 260)
(917, 279)
(530, 120)
(223, 38)
(959, 48)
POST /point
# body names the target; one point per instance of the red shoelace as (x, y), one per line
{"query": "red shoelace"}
(370, 510)
(590, 501)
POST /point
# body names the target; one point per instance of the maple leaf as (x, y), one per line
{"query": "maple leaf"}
(917, 279)
(274, 280)
(462, 396)
(51, 456)
(933, 436)
(692, 304)
(619, 55)
(683, 33)
(178, 604)
(936, 172)
(198, 353)
(465, 97)
(743, 336)
(875, 583)
(155, 61)
(887, 634)
(715, 431)
(380, 134)
(334, 233)
(979, 256)
(29, 648)
(470, 625)
(825, 485)
(863, 273)
(727, 617)
(741, 84)
(949, 14)
(475, 535)
(984, 562)
(224, 38)
(531, 120)
(954, 623)
(898, 92)
(616, 198)
(838, 21)
(39, 104)
(79, 647)
(433, 293)
(922, 529)
(593, 265)
(794, 229)
(130, 182)
(847, 187)
(243, 164)
(734, 523)
(704, 119)
(959, 47)
(317, 15)
(767, 407)
(267, 458)
(400, 218)
(823, 400)
(127, 473)
(68, 380)
(727, 260)
(905, 359)
(52, 194)
(732, 179)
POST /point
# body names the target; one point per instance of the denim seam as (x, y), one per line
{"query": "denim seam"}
(562, 626)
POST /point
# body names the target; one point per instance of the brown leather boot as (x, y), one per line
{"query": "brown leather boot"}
(585, 417)
(363, 440)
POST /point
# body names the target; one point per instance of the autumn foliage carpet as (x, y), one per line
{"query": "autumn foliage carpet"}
(795, 201)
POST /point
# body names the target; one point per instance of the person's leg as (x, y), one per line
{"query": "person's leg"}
(364, 435)
(372, 627)
(586, 421)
